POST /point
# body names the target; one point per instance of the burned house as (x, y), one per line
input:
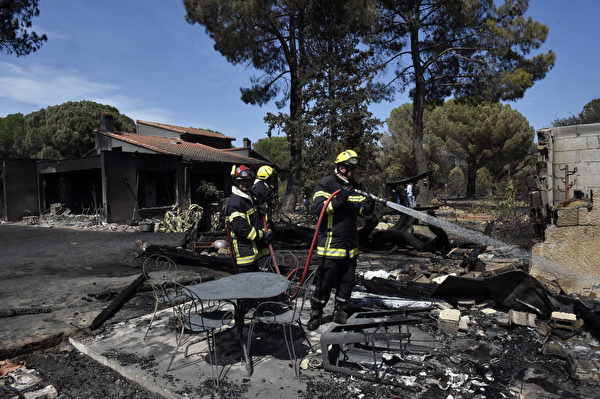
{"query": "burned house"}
(563, 208)
(129, 175)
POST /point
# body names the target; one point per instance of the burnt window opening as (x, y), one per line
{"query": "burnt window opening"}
(156, 188)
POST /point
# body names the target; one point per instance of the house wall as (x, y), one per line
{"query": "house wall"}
(120, 173)
(574, 147)
(20, 188)
(106, 143)
(156, 131)
(214, 142)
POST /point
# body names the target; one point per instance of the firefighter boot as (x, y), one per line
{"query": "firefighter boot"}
(340, 312)
(315, 319)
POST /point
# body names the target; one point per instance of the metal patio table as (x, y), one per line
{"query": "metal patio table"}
(236, 288)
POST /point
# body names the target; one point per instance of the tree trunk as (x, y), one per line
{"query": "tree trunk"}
(471, 178)
(418, 109)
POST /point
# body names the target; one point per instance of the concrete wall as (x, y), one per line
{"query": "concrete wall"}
(569, 256)
(20, 188)
(119, 174)
(575, 149)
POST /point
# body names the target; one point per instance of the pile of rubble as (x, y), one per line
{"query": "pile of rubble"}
(84, 222)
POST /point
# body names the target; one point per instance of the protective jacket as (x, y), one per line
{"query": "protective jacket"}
(244, 221)
(262, 193)
(337, 237)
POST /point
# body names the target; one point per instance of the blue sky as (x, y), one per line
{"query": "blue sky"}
(143, 58)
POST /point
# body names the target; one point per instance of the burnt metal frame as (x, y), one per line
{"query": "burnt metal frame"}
(364, 339)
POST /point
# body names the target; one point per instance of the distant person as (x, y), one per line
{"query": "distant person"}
(337, 240)
(409, 194)
(244, 221)
(396, 195)
(305, 204)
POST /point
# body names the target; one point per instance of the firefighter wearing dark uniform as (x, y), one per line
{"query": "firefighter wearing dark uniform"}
(337, 241)
(245, 222)
(262, 192)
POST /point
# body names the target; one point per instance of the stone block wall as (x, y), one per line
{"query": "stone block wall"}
(575, 148)
(570, 255)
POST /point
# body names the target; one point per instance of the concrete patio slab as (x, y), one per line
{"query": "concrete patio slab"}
(123, 348)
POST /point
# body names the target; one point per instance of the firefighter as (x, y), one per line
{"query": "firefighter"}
(262, 193)
(337, 241)
(245, 222)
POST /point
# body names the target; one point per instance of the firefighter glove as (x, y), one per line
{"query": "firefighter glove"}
(263, 209)
(368, 206)
(341, 197)
(267, 236)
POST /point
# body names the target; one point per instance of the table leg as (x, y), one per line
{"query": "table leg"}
(239, 323)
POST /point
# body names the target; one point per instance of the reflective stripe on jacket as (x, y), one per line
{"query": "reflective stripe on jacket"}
(244, 221)
(337, 237)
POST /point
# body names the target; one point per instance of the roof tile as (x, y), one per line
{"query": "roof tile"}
(190, 151)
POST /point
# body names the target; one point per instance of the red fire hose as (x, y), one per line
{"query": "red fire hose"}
(312, 246)
(275, 266)
(235, 268)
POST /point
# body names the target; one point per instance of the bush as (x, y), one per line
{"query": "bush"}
(457, 183)
(484, 182)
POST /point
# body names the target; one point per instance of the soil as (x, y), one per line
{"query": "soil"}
(33, 257)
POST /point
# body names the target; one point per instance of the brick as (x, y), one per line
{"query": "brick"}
(48, 392)
(448, 321)
(463, 323)
(521, 318)
(567, 217)
(567, 321)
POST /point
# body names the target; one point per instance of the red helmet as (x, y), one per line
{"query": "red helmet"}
(242, 172)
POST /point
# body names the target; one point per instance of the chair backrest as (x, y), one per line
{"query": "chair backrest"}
(195, 314)
(159, 269)
(286, 262)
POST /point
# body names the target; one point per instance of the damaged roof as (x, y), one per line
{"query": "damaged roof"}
(184, 130)
(189, 151)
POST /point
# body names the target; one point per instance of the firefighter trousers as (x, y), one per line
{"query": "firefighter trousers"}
(332, 274)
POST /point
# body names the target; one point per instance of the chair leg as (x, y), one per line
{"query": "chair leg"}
(152, 320)
(249, 339)
(177, 345)
(289, 342)
(212, 355)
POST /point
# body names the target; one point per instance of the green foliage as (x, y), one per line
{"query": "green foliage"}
(456, 182)
(508, 207)
(12, 132)
(589, 114)
(463, 48)
(318, 72)
(467, 134)
(276, 150)
(482, 134)
(15, 22)
(57, 132)
(484, 182)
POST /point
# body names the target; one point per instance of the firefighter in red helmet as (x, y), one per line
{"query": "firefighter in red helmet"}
(245, 221)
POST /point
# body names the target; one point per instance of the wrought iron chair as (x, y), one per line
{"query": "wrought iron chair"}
(286, 262)
(161, 274)
(195, 316)
(286, 312)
